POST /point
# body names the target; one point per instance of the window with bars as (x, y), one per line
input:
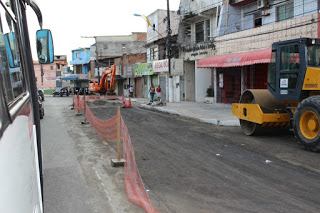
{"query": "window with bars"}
(203, 31)
(285, 12)
(200, 31)
(153, 53)
(207, 28)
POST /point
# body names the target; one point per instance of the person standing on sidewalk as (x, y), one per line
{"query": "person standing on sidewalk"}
(159, 92)
(152, 91)
(131, 91)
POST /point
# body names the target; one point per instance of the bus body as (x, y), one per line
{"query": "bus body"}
(20, 140)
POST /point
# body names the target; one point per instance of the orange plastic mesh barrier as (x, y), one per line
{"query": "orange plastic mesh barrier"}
(126, 104)
(102, 97)
(78, 103)
(107, 129)
(134, 186)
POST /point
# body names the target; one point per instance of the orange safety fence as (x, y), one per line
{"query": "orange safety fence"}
(79, 102)
(136, 192)
(102, 97)
(107, 130)
(99, 97)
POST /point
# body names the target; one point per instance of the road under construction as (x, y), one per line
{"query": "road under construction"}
(185, 165)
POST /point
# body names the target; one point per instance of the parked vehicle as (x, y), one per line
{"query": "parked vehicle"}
(41, 109)
(63, 91)
(81, 91)
(76, 90)
(41, 95)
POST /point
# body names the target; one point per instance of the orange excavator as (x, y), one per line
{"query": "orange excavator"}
(106, 84)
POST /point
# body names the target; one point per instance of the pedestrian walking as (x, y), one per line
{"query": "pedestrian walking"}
(159, 92)
(131, 91)
(152, 91)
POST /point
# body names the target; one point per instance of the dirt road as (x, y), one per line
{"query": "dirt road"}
(187, 166)
(196, 167)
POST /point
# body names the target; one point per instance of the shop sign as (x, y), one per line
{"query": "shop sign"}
(143, 69)
(129, 71)
(161, 66)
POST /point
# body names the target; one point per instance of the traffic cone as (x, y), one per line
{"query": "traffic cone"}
(129, 105)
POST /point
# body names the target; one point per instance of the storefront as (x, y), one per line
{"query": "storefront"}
(160, 76)
(143, 73)
(236, 72)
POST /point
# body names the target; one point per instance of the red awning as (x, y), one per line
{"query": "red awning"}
(236, 59)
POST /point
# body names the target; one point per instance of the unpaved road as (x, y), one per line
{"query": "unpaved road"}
(190, 166)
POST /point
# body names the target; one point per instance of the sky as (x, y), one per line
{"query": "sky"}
(69, 20)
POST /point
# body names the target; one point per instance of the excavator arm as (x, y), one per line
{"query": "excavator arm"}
(107, 75)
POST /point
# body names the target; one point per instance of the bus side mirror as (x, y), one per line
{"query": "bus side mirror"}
(45, 47)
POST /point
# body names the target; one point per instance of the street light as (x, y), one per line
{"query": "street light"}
(145, 18)
(148, 21)
(168, 44)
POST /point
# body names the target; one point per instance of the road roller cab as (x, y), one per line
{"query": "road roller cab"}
(293, 95)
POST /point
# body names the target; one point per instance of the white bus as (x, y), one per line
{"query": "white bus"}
(20, 140)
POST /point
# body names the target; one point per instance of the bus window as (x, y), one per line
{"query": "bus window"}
(10, 66)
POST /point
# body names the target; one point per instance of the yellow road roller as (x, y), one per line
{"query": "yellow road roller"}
(293, 96)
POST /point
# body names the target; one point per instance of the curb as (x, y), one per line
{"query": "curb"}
(229, 123)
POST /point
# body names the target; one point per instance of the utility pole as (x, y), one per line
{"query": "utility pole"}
(42, 74)
(169, 53)
(97, 60)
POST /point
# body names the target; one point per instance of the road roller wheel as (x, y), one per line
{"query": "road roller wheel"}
(248, 127)
(306, 123)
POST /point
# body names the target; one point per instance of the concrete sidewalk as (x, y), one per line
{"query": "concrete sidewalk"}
(218, 114)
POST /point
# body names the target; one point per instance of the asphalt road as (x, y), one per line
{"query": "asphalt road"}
(187, 166)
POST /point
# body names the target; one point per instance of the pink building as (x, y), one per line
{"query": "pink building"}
(50, 72)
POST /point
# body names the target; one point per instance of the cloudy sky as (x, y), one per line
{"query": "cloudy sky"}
(70, 19)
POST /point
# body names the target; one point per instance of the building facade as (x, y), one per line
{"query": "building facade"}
(81, 66)
(236, 55)
(199, 25)
(48, 75)
(123, 51)
(157, 55)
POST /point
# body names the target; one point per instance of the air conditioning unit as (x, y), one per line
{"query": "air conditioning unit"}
(265, 11)
(262, 3)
